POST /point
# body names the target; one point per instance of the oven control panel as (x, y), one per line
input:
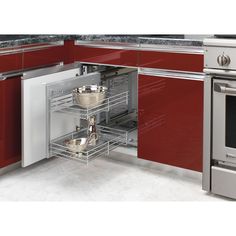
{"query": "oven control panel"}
(220, 53)
(220, 58)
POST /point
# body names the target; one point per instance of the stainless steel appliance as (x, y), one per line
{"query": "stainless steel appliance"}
(219, 164)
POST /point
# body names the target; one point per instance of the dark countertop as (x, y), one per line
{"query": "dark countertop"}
(166, 40)
(7, 41)
(118, 38)
(173, 40)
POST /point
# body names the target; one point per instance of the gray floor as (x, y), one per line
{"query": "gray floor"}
(105, 179)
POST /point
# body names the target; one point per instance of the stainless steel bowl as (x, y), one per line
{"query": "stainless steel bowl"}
(89, 96)
(77, 145)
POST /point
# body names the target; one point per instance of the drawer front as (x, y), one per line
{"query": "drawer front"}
(223, 181)
(10, 62)
(107, 56)
(37, 57)
(171, 61)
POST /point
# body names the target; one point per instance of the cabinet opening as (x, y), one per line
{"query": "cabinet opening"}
(93, 130)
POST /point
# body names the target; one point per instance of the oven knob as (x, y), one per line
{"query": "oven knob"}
(223, 60)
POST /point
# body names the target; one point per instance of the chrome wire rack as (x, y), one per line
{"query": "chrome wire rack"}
(108, 139)
(67, 104)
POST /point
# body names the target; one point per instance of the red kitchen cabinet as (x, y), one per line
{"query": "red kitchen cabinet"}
(171, 121)
(171, 61)
(10, 60)
(10, 121)
(68, 51)
(40, 55)
(107, 56)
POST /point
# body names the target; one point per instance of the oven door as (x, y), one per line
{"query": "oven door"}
(224, 120)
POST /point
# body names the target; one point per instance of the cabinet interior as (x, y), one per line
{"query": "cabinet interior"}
(116, 117)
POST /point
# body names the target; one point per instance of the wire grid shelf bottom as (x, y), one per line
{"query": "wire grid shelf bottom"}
(109, 139)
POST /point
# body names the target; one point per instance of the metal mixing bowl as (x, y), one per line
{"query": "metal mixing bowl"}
(77, 145)
(89, 96)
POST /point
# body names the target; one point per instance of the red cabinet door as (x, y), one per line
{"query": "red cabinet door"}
(171, 61)
(10, 121)
(10, 61)
(40, 55)
(171, 121)
(106, 56)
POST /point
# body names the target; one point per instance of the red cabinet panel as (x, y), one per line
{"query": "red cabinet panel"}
(69, 51)
(10, 61)
(43, 56)
(10, 121)
(106, 56)
(171, 121)
(171, 61)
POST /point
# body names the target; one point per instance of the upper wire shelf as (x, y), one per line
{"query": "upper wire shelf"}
(67, 104)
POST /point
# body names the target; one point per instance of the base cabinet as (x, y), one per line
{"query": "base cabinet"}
(38, 55)
(106, 56)
(170, 121)
(171, 61)
(170, 109)
(10, 61)
(10, 121)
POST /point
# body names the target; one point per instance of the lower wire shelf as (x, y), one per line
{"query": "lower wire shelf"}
(108, 140)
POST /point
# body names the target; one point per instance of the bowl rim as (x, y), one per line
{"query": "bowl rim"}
(98, 90)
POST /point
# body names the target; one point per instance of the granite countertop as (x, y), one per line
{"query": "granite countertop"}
(7, 41)
(140, 40)
(173, 40)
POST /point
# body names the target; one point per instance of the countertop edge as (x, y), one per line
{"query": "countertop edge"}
(194, 45)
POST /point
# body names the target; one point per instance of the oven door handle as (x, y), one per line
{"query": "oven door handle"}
(224, 88)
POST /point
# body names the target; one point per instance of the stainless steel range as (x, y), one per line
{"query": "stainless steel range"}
(219, 164)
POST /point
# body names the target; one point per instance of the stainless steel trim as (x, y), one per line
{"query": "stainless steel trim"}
(172, 74)
(102, 64)
(219, 42)
(224, 88)
(218, 72)
(223, 181)
(173, 49)
(10, 74)
(206, 175)
(219, 145)
(49, 70)
(141, 47)
(31, 48)
(110, 45)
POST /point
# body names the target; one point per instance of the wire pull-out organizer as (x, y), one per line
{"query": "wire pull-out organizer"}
(61, 104)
